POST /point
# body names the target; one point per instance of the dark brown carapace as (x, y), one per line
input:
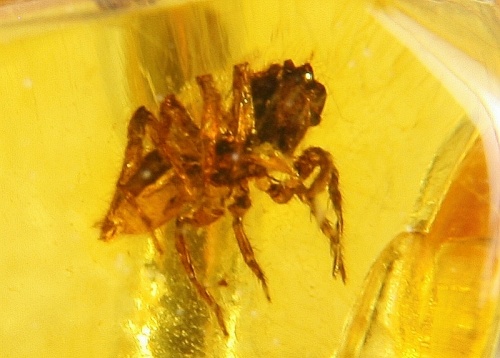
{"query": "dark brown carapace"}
(176, 168)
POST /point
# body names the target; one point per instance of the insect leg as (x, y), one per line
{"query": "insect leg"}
(137, 131)
(243, 123)
(187, 262)
(213, 123)
(176, 138)
(281, 191)
(327, 178)
(238, 208)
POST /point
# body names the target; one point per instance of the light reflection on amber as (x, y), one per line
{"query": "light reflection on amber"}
(143, 340)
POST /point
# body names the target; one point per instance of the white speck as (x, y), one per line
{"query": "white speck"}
(27, 83)
(143, 340)
(121, 264)
(235, 157)
(308, 76)
(409, 228)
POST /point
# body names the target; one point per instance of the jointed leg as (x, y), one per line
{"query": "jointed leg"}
(238, 208)
(243, 123)
(176, 137)
(180, 245)
(212, 122)
(327, 177)
(137, 132)
(248, 254)
(281, 191)
(335, 245)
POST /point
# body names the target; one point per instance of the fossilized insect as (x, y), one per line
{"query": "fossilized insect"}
(193, 172)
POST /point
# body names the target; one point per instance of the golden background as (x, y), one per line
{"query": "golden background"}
(68, 86)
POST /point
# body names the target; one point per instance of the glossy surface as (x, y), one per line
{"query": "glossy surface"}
(69, 83)
(194, 171)
(434, 292)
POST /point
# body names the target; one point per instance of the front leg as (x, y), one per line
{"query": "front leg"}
(327, 178)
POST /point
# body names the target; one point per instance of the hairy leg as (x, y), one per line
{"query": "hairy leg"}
(134, 152)
(238, 209)
(185, 257)
(177, 138)
(242, 124)
(213, 123)
(326, 179)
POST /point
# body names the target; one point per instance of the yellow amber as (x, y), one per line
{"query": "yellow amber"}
(409, 84)
(435, 294)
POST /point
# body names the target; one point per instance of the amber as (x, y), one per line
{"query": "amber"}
(435, 293)
(192, 170)
(410, 119)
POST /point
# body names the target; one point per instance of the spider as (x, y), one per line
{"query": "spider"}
(193, 172)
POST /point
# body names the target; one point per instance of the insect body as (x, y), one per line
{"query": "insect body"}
(177, 169)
